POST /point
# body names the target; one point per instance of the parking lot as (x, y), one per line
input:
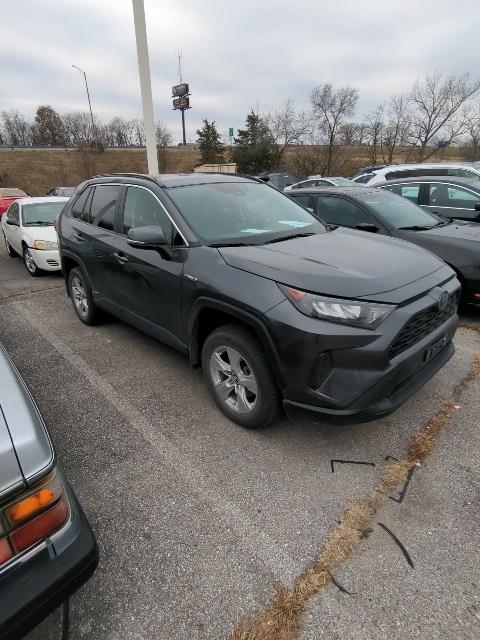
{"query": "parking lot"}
(197, 519)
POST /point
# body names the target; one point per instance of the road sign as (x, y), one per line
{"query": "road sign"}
(180, 90)
(181, 103)
(230, 132)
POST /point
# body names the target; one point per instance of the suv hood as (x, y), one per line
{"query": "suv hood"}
(26, 452)
(342, 263)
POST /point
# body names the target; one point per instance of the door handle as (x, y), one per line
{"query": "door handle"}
(79, 236)
(121, 257)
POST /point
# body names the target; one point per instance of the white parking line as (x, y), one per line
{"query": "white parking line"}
(257, 543)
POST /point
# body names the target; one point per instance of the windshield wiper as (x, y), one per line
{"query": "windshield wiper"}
(38, 223)
(290, 237)
(229, 244)
(415, 227)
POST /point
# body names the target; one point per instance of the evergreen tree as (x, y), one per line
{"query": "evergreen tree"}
(255, 149)
(211, 148)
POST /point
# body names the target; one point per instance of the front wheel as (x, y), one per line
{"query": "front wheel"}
(240, 377)
(29, 262)
(81, 297)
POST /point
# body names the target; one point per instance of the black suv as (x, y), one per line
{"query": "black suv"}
(272, 304)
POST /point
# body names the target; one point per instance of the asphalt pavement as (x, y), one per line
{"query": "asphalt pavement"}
(198, 519)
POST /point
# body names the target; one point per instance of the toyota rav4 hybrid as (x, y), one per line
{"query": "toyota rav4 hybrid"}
(274, 306)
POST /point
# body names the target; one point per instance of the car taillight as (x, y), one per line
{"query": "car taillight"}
(33, 516)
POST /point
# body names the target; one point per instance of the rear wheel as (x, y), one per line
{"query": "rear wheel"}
(10, 251)
(29, 262)
(239, 377)
(81, 296)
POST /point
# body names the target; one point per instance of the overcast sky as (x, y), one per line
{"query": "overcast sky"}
(235, 54)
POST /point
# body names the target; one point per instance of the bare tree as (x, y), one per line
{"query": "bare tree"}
(288, 126)
(17, 131)
(332, 107)
(374, 130)
(435, 101)
(78, 128)
(397, 126)
(164, 139)
(471, 141)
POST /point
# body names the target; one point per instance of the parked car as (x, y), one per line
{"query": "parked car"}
(252, 287)
(457, 198)
(47, 548)
(322, 182)
(280, 180)
(7, 196)
(370, 168)
(28, 231)
(63, 192)
(389, 215)
(398, 171)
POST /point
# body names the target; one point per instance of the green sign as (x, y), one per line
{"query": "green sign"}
(230, 132)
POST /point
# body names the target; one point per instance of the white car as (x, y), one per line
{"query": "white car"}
(397, 171)
(318, 181)
(29, 232)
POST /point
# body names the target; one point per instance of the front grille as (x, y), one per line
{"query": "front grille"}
(422, 324)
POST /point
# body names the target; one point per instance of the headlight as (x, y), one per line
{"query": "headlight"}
(44, 245)
(367, 315)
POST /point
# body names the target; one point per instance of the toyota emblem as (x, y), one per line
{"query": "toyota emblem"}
(442, 301)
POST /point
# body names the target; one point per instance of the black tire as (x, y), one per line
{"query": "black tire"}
(10, 252)
(261, 408)
(29, 263)
(81, 297)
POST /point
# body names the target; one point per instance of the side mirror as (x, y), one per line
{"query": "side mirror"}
(149, 238)
(146, 238)
(477, 206)
(12, 222)
(367, 226)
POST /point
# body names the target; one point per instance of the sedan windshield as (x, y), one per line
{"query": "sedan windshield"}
(41, 213)
(400, 212)
(226, 213)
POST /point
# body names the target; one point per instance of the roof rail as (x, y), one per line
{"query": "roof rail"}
(126, 174)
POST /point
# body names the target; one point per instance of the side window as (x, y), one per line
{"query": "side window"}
(322, 183)
(142, 209)
(14, 212)
(442, 195)
(304, 200)
(81, 205)
(306, 184)
(340, 212)
(409, 191)
(364, 178)
(104, 205)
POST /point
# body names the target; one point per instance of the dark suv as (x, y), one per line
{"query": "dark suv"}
(247, 283)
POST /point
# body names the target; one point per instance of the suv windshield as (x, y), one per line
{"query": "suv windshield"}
(43, 213)
(400, 212)
(242, 213)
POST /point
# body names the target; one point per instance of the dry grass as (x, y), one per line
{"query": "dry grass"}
(282, 617)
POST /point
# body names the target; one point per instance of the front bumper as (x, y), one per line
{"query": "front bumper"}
(347, 373)
(46, 260)
(47, 575)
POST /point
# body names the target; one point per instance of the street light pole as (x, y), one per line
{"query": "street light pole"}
(88, 96)
(145, 84)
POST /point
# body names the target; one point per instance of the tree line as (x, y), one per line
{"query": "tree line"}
(439, 111)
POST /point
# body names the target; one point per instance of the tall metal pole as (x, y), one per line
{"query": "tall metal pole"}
(145, 84)
(89, 103)
(183, 127)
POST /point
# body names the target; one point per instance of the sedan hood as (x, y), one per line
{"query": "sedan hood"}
(41, 233)
(26, 452)
(342, 263)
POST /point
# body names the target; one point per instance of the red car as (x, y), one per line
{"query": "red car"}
(7, 196)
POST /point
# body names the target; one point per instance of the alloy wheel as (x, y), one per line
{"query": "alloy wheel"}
(233, 379)
(79, 296)
(29, 261)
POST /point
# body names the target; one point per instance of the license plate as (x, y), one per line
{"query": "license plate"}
(432, 351)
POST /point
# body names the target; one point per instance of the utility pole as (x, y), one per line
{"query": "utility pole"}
(89, 103)
(145, 84)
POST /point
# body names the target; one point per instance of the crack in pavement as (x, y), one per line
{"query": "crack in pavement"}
(9, 297)
(282, 617)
